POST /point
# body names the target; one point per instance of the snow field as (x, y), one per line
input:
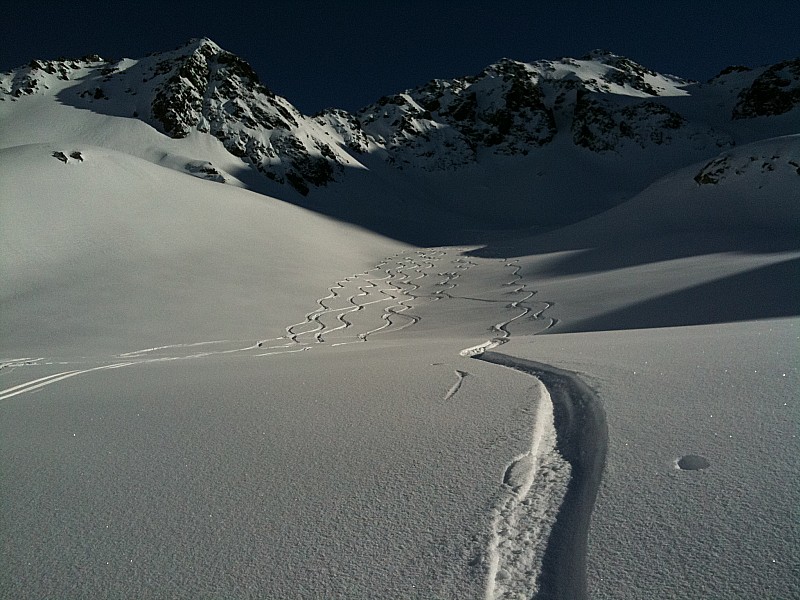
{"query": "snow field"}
(727, 392)
(206, 392)
(240, 451)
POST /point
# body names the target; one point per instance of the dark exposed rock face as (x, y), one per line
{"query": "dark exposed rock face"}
(347, 127)
(510, 109)
(444, 123)
(731, 69)
(216, 92)
(604, 126)
(775, 92)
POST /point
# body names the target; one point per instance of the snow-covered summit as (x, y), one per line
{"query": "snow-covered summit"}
(196, 87)
(601, 109)
(511, 108)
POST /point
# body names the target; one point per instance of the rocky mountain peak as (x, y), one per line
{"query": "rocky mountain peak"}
(603, 102)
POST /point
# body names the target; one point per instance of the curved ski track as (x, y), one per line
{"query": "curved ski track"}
(533, 483)
(347, 314)
(581, 441)
(380, 301)
(374, 302)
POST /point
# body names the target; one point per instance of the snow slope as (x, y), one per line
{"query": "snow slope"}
(208, 392)
(227, 402)
(680, 309)
(112, 253)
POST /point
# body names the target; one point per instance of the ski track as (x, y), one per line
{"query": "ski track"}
(27, 361)
(373, 302)
(36, 384)
(392, 283)
(555, 567)
(380, 301)
(532, 489)
(460, 375)
(534, 483)
(536, 545)
(138, 353)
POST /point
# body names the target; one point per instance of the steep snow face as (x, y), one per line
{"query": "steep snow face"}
(619, 75)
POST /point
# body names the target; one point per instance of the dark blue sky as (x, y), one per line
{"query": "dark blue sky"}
(349, 53)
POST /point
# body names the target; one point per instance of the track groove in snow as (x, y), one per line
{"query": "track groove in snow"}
(51, 379)
(532, 490)
(460, 375)
(337, 313)
(581, 439)
(392, 282)
(538, 537)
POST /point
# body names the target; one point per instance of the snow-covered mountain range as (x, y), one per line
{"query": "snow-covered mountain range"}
(522, 123)
(211, 390)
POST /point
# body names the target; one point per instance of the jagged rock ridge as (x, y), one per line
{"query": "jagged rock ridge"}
(602, 103)
(200, 87)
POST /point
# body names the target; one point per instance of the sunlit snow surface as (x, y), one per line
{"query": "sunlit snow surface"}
(728, 392)
(206, 392)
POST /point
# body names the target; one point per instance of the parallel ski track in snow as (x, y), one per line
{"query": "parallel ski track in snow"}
(137, 357)
(379, 301)
(392, 282)
(385, 292)
(36, 384)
